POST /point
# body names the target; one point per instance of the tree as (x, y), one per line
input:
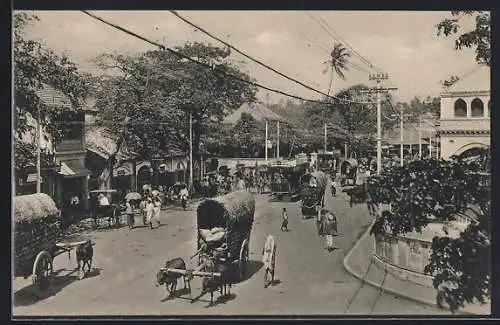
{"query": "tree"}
(421, 106)
(247, 135)
(34, 65)
(430, 190)
(478, 39)
(211, 94)
(357, 115)
(160, 89)
(339, 58)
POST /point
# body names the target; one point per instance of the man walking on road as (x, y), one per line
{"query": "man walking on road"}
(284, 223)
(329, 228)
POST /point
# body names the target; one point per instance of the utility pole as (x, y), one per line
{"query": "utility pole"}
(325, 136)
(266, 144)
(430, 144)
(401, 138)
(38, 163)
(401, 131)
(278, 142)
(378, 77)
(420, 137)
(411, 144)
(190, 151)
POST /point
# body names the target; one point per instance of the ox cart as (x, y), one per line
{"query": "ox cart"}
(111, 212)
(38, 239)
(285, 180)
(348, 171)
(312, 194)
(224, 225)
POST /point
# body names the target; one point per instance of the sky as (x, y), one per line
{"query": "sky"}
(403, 44)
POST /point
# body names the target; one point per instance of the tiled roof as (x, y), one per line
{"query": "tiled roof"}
(52, 97)
(257, 110)
(98, 140)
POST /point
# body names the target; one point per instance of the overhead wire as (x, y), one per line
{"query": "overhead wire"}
(341, 40)
(329, 30)
(187, 21)
(206, 65)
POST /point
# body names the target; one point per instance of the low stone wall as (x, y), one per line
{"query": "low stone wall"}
(407, 275)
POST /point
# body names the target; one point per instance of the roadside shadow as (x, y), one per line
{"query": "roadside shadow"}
(252, 268)
(274, 283)
(28, 295)
(177, 294)
(222, 300)
(93, 273)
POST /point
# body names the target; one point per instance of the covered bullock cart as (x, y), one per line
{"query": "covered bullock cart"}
(312, 193)
(348, 170)
(37, 238)
(224, 225)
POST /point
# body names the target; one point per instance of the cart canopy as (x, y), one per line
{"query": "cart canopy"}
(235, 209)
(33, 206)
(351, 162)
(318, 177)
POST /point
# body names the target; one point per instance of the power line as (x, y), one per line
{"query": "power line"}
(322, 47)
(212, 67)
(329, 30)
(248, 56)
(356, 53)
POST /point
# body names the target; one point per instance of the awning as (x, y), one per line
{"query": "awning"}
(32, 179)
(73, 168)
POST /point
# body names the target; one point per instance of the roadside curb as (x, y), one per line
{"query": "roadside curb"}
(384, 288)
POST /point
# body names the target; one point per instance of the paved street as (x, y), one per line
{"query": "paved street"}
(311, 280)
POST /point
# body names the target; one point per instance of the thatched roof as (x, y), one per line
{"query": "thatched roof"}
(33, 206)
(257, 110)
(236, 208)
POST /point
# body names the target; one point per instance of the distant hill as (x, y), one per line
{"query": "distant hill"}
(257, 110)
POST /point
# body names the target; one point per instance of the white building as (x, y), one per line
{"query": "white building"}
(465, 114)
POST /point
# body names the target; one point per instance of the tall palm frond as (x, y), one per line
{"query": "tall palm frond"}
(339, 58)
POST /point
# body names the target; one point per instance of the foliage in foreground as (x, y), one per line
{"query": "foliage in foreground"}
(426, 191)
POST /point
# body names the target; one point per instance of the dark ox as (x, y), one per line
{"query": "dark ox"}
(212, 284)
(359, 194)
(84, 255)
(169, 278)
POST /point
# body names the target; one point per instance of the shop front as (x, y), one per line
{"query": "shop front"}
(72, 180)
(122, 178)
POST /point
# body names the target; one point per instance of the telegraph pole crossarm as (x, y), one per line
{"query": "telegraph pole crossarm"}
(378, 89)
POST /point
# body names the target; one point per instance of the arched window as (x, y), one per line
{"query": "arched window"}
(460, 108)
(477, 108)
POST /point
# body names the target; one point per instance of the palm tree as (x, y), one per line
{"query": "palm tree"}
(339, 58)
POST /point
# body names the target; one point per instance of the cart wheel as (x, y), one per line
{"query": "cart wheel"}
(243, 261)
(42, 271)
(273, 259)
